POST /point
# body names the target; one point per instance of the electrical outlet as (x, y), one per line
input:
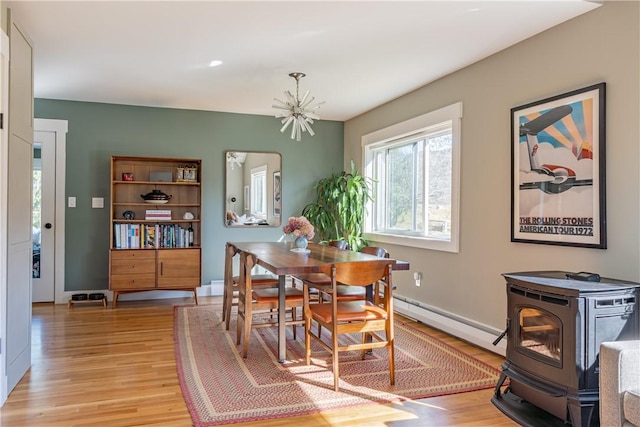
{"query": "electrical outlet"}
(417, 276)
(97, 202)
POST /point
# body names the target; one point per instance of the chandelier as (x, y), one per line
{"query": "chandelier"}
(297, 112)
(233, 159)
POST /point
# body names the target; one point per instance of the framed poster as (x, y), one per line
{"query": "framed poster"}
(558, 170)
(277, 194)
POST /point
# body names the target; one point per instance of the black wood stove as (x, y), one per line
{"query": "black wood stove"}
(555, 326)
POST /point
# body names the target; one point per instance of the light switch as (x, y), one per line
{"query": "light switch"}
(97, 202)
(72, 202)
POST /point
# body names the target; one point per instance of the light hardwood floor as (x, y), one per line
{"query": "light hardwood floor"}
(95, 366)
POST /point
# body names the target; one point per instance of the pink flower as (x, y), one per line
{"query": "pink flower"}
(299, 226)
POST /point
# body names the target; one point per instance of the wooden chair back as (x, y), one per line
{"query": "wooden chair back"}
(380, 285)
(228, 288)
(357, 273)
(340, 244)
(375, 251)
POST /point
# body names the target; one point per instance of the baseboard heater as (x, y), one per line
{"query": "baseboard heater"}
(458, 326)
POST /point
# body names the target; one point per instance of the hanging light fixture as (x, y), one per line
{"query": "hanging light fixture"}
(297, 112)
(233, 159)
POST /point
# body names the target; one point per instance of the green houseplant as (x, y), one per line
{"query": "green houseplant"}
(338, 212)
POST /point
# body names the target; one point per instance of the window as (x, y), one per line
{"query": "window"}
(259, 192)
(415, 167)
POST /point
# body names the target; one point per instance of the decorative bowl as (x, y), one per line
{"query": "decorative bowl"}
(156, 196)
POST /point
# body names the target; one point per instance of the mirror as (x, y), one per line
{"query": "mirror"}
(253, 196)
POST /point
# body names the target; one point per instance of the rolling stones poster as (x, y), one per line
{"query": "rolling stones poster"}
(558, 170)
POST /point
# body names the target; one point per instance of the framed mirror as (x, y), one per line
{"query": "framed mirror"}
(253, 189)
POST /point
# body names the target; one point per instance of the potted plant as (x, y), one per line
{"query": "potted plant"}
(338, 212)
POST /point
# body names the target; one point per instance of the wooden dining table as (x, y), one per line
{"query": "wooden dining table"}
(278, 258)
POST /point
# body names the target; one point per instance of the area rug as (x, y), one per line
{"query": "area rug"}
(220, 387)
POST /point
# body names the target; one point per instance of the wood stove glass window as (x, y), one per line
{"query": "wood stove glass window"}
(540, 335)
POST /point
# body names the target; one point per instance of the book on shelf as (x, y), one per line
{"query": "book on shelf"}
(150, 236)
(116, 236)
(157, 214)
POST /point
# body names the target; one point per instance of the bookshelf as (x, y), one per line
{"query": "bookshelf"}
(155, 225)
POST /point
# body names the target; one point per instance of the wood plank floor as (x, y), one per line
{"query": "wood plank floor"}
(95, 366)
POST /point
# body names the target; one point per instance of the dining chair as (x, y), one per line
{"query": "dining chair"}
(351, 293)
(261, 302)
(380, 286)
(340, 244)
(352, 317)
(345, 293)
(319, 278)
(230, 289)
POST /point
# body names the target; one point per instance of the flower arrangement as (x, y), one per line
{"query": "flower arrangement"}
(299, 227)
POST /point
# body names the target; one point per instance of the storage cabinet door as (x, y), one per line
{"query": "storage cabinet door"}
(178, 268)
(135, 269)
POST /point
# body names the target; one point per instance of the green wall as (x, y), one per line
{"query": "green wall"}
(98, 131)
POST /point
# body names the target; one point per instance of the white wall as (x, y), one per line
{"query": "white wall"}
(602, 45)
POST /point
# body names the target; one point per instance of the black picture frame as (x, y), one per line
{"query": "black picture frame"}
(558, 170)
(277, 194)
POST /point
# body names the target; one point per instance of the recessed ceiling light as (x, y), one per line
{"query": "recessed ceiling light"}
(215, 63)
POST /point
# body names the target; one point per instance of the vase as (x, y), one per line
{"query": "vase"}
(301, 242)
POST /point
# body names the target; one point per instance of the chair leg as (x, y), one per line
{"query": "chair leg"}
(336, 368)
(228, 303)
(392, 370)
(239, 325)
(293, 319)
(392, 363)
(224, 303)
(247, 330)
(307, 339)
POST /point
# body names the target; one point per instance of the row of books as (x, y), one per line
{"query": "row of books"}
(139, 236)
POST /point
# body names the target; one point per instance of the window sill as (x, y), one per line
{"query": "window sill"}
(414, 242)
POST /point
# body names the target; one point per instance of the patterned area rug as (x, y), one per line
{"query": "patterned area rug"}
(220, 387)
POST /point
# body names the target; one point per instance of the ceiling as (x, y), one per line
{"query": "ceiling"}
(356, 54)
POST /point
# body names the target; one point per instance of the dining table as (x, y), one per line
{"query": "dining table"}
(282, 259)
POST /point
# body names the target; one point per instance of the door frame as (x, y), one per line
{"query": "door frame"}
(60, 128)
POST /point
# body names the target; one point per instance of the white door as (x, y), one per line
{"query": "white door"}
(19, 183)
(44, 220)
(4, 150)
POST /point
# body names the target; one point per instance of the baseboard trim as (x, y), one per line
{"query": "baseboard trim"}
(466, 329)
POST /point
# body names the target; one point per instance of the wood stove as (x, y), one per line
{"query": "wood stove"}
(554, 329)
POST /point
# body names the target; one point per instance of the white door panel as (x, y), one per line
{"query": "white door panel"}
(19, 205)
(20, 153)
(20, 297)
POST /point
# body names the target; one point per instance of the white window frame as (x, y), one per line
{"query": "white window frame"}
(393, 133)
(256, 210)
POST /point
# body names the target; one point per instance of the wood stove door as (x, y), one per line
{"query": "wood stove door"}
(540, 335)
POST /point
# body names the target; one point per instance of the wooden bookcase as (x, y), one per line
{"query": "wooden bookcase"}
(146, 252)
